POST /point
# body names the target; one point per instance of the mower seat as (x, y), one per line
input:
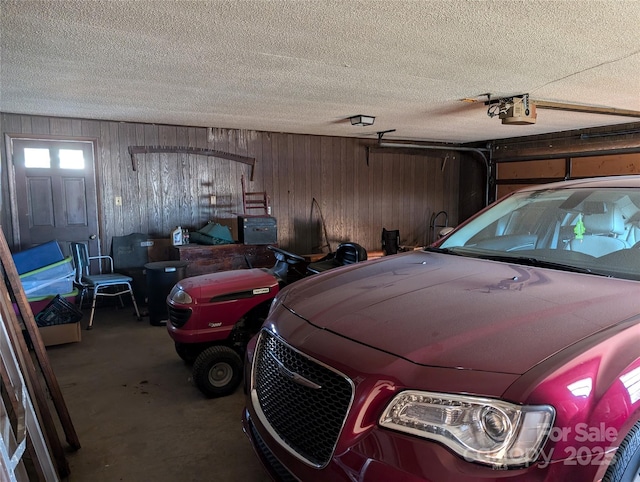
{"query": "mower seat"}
(347, 253)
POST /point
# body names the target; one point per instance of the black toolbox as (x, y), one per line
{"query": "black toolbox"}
(257, 230)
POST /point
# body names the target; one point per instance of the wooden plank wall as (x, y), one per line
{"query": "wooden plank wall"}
(356, 200)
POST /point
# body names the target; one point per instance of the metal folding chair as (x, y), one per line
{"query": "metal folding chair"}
(108, 285)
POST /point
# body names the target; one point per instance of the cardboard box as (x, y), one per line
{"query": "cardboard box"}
(60, 334)
(55, 334)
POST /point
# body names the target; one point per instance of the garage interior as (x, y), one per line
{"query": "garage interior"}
(178, 105)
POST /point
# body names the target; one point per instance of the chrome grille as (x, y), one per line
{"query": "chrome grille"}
(307, 420)
(178, 316)
(281, 471)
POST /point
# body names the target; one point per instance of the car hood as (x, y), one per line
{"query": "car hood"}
(449, 311)
(240, 281)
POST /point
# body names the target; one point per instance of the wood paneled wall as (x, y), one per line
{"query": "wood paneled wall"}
(356, 200)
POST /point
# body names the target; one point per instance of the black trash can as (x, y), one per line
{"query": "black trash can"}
(161, 276)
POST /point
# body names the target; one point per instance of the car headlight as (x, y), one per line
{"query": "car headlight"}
(493, 432)
(180, 296)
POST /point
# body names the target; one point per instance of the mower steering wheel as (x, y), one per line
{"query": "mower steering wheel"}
(286, 255)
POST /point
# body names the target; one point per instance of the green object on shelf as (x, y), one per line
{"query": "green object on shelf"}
(212, 233)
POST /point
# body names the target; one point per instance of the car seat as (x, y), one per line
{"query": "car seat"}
(601, 232)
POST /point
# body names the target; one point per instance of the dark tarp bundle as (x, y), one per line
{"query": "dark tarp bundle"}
(212, 233)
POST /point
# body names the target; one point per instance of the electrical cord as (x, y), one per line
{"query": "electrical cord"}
(324, 226)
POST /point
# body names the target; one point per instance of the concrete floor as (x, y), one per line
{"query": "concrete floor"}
(138, 414)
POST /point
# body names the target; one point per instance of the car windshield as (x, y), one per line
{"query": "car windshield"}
(587, 230)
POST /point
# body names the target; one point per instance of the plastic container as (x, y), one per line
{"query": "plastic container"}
(50, 280)
(161, 276)
(39, 303)
(176, 236)
(37, 257)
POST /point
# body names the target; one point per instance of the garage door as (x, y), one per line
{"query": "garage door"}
(514, 175)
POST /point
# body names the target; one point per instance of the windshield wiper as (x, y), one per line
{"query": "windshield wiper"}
(524, 260)
(444, 251)
(539, 263)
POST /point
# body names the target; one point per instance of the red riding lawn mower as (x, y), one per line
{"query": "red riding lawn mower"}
(213, 316)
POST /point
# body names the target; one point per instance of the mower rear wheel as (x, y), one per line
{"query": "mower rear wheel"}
(217, 371)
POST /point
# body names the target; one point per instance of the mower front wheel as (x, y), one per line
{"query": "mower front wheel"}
(217, 371)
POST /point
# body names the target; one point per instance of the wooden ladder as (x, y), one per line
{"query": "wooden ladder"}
(252, 201)
(43, 444)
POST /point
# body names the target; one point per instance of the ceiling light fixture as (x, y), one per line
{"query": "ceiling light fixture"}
(362, 120)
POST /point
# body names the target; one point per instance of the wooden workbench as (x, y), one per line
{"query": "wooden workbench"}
(204, 259)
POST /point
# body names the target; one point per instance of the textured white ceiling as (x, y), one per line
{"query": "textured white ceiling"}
(305, 66)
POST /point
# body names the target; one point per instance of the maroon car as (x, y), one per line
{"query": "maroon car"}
(508, 351)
